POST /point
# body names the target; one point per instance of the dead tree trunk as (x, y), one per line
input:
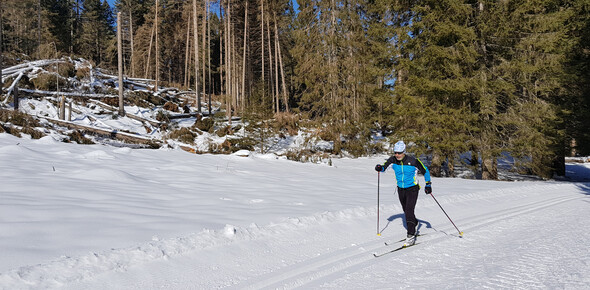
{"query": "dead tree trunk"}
(270, 61)
(187, 52)
(222, 63)
(38, 29)
(228, 64)
(120, 60)
(204, 49)
(196, 41)
(244, 56)
(284, 85)
(208, 51)
(157, 50)
(131, 40)
(262, 48)
(276, 70)
(62, 108)
(149, 56)
(15, 97)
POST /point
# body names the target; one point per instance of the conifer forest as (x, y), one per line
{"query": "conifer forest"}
(486, 77)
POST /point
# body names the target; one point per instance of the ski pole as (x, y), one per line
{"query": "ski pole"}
(460, 232)
(378, 180)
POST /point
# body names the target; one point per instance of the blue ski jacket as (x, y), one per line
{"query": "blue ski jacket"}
(406, 170)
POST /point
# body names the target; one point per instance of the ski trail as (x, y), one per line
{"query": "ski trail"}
(326, 253)
(509, 253)
(325, 268)
(539, 254)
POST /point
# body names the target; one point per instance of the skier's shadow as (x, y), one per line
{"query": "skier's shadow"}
(421, 223)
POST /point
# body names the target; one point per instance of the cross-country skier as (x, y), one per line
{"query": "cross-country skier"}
(405, 168)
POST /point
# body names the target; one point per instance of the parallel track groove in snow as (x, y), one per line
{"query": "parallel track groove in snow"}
(328, 266)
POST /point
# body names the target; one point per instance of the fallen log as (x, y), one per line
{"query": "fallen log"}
(128, 137)
(111, 108)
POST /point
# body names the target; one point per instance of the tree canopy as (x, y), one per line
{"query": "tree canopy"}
(450, 76)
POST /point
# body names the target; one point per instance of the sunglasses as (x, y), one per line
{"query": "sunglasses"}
(398, 153)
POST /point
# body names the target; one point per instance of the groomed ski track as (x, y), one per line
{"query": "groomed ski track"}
(528, 236)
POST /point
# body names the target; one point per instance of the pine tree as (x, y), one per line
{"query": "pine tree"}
(526, 76)
(56, 26)
(97, 32)
(19, 19)
(433, 96)
(338, 64)
(133, 12)
(578, 81)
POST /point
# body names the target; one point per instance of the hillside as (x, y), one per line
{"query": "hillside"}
(167, 117)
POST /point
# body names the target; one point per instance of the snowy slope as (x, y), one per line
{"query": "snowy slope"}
(99, 217)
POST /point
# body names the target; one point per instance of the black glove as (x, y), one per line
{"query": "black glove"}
(428, 188)
(379, 167)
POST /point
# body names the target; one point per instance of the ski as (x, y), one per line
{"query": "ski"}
(395, 242)
(394, 250)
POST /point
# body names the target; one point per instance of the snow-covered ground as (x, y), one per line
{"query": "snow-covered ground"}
(101, 217)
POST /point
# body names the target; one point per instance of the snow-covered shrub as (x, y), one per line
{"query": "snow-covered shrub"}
(78, 137)
(17, 118)
(224, 148)
(143, 99)
(288, 122)
(35, 134)
(66, 69)
(48, 82)
(184, 135)
(205, 124)
(224, 131)
(308, 156)
(244, 143)
(83, 73)
(114, 102)
(162, 117)
(170, 106)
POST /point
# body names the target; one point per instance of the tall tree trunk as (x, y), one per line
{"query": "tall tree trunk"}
(120, 64)
(435, 165)
(244, 56)
(262, 50)
(235, 70)
(187, 54)
(221, 49)
(332, 56)
(204, 50)
(132, 47)
(71, 30)
(149, 56)
(278, 46)
(196, 41)
(210, 83)
(157, 49)
(277, 73)
(38, 29)
(489, 167)
(270, 62)
(229, 63)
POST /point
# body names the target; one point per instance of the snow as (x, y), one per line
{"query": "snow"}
(108, 216)
(98, 217)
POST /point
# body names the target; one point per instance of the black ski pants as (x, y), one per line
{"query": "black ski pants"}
(408, 198)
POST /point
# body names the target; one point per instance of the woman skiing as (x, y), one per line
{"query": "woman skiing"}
(405, 168)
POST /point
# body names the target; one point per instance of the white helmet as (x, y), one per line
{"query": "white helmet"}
(400, 146)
